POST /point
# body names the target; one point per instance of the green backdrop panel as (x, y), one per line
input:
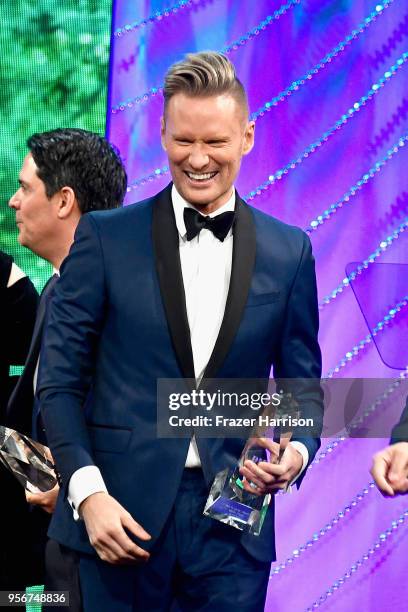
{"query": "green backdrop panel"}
(53, 73)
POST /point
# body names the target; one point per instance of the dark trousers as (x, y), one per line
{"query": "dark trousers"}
(197, 565)
(23, 537)
(61, 574)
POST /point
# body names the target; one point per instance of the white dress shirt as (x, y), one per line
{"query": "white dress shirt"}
(206, 268)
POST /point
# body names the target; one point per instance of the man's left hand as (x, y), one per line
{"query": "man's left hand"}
(46, 500)
(271, 477)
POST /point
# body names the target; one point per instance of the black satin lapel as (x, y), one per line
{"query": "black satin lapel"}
(166, 248)
(243, 259)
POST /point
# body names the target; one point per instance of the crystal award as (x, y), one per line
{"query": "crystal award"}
(27, 460)
(228, 501)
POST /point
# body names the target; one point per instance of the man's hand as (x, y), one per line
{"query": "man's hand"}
(270, 477)
(390, 469)
(106, 521)
(46, 500)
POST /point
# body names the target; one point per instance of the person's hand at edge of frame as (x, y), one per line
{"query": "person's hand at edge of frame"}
(390, 469)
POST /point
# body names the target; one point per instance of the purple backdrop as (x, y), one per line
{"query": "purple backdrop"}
(327, 83)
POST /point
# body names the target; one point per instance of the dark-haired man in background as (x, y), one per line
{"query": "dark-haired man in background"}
(67, 173)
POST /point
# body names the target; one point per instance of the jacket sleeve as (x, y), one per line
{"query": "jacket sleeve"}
(298, 365)
(74, 322)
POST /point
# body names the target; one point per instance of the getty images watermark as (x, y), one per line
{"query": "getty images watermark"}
(234, 408)
(270, 405)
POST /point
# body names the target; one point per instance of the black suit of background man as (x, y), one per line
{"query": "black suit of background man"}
(18, 305)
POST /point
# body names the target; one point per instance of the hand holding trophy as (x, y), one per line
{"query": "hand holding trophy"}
(234, 498)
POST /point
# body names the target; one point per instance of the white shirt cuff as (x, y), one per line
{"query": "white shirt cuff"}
(299, 446)
(84, 482)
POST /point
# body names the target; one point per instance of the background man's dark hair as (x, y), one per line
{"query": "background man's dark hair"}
(82, 160)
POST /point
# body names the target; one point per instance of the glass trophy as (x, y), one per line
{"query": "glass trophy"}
(27, 460)
(228, 500)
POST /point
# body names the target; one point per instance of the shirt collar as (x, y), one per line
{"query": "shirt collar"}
(179, 204)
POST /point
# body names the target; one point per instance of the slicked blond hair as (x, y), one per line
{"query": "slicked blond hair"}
(204, 74)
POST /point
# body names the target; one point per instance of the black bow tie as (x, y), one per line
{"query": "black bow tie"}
(219, 225)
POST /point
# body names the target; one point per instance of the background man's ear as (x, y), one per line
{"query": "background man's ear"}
(67, 203)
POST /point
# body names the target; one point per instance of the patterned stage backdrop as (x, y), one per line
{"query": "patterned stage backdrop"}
(327, 82)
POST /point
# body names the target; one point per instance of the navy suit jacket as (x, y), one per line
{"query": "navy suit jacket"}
(118, 322)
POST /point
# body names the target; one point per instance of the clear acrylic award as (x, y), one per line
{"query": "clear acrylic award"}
(228, 501)
(27, 460)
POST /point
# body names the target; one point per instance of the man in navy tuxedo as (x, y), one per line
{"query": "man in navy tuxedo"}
(191, 283)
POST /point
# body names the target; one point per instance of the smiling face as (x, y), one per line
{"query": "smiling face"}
(205, 139)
